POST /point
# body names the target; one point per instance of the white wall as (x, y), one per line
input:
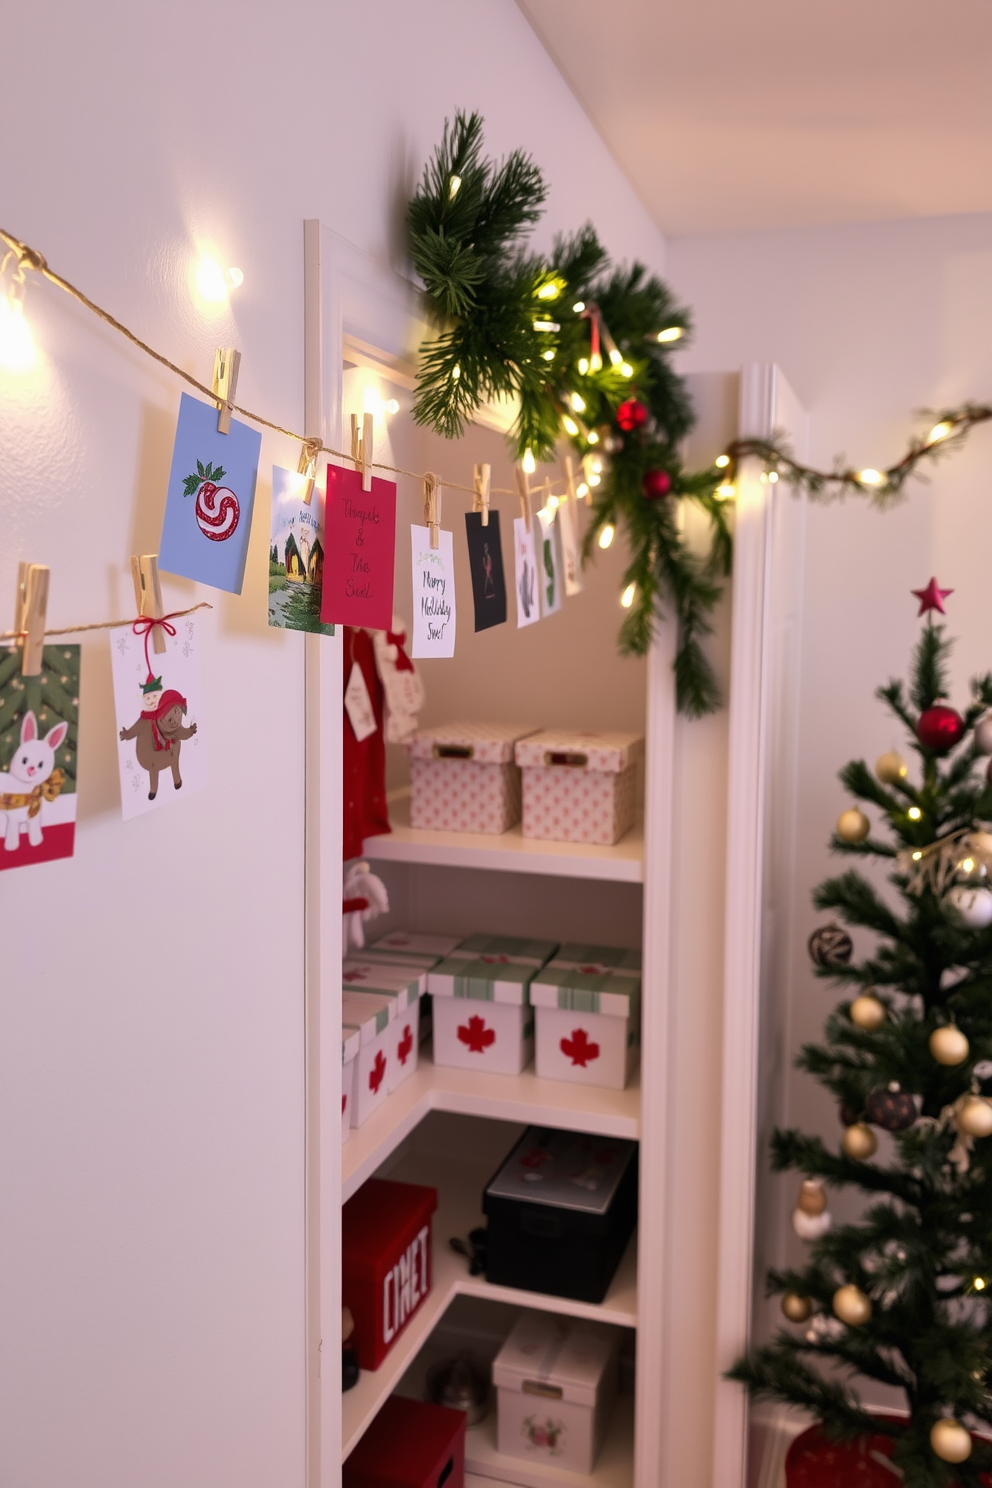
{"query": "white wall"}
(151, 1089)
(869, 323)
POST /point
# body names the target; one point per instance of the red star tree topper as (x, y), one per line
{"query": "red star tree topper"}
(932, 598)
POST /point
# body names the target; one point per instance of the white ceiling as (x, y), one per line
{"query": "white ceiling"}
(729, 114)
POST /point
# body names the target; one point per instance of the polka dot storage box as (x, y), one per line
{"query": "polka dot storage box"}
(463, 777)
(579, 787)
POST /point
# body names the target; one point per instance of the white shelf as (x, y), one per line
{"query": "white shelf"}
(459, 1186)
(522, 1098)
(486, 1468)
(509, 853)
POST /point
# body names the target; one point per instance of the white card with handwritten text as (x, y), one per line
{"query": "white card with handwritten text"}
(433, 594)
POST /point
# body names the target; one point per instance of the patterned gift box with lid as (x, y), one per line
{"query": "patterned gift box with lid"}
(371, 1017)
(403, 983)
(482, 1013)
(463, 777)
(579, 787)
(588, 1021)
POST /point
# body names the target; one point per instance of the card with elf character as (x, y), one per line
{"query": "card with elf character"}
(158, 696)
(39, 720)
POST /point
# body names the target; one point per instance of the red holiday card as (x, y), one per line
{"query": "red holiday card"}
(361, 543)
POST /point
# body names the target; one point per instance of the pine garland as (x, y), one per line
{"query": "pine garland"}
(511, 324)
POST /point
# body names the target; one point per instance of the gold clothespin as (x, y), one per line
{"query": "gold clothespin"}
(523, 491)
(432, 507)
(361, 448)
(30, 609)
(481, 477)
(148, 594)
(308, 467)
(227, 364)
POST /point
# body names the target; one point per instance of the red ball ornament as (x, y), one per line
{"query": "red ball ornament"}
(631, 415)
(656, 483)
(939, 728)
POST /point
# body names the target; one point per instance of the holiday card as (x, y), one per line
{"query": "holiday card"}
(158, 698)
(525, 573)
(296, 554)
(571, 556)
(547, 542)
(485, 560)
(361, 542)
(39, 723)
(210, 497)
(433, 594)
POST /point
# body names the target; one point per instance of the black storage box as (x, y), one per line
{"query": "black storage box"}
(561, 1209)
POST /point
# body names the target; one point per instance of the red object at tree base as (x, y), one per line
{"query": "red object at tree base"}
(939, 728)
(814, 1461)
(656, 483)
(631, 415)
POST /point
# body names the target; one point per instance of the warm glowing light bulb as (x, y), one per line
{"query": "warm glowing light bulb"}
(548, 291)
(940, 431)
(578, 402)
(626, 370)
(582, 489)
(592, 437)
(453, 185)
(596, 466)
(211, 281)
(578, 307)
(17, 352)
(606, 536)
(721, 462)
(627, 597)
(594, 480)
(596, 362)
(917, 856)
(968, 866)
(725, 492)
(549, 356)
(456, 372)
(546, 325)
(583, 366)
(671, 333)
(571, 427)
(914, 813)
(615, 357)
(392, 406)
(235, 278)
(870, 477)
(371, 402)
(552, 503)
(979, 1283)
(773, 476)
(528, 462)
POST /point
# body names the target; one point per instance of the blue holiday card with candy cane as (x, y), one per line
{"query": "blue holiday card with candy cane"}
(210, 497)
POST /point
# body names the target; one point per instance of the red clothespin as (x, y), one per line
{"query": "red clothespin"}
(227, 364)
(148, 594)
(30, 610)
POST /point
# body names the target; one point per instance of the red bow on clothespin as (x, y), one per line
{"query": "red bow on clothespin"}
(397, 638)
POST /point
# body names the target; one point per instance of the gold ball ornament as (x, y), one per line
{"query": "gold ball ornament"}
(852, 1306)
(797, 1309)
(948, 1045)
(950, 1441)
(975, 1116)
(853, 825)
(891, 768)
(867, 1012)
(812, 1196)
(859, 1141)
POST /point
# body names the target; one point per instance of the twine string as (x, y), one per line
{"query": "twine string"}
(20, 635)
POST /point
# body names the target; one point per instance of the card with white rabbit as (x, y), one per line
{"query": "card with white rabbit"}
(39, 723)
(158, 697)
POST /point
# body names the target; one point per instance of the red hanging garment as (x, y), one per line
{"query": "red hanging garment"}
(365, 813)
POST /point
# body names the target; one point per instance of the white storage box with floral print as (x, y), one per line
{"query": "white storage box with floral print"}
(588, 1021)
(556, 1379)
(482, 1015)
(579, 787)
(404, 983)
(350, 1041)
(463, 777)
(371, 1016)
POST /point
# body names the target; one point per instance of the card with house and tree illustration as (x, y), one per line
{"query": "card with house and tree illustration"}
(158, 698)
(210, 497)
(296, 554)
(39, 723)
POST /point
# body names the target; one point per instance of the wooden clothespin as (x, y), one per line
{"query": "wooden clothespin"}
(308, 467)
(481, 477)
(523, 491)
(148, 594)
(432, 507)
(227, 364)
(361, 448)
(30, 610)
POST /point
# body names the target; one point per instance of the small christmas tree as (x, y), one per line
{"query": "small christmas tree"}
(902, 1296)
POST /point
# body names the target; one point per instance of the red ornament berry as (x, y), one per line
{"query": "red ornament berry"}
(939, 728)
(631, 415)
(656, 483)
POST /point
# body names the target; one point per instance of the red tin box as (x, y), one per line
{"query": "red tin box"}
(385, 1262)
(409, 1445)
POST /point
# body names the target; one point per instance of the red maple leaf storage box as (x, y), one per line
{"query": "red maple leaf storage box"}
(409, 1445)
(385, 1262)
